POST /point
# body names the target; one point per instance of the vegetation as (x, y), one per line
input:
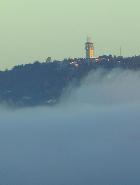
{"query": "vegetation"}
(43, 83)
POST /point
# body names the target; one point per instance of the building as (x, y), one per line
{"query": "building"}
(89, 47)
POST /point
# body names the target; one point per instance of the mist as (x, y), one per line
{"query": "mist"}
(91, 138)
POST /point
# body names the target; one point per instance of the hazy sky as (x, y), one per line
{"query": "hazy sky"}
(35, 29)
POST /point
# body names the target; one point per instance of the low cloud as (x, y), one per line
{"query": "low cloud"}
(92, 137)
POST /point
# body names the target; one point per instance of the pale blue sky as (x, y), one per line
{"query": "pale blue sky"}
(35, 29)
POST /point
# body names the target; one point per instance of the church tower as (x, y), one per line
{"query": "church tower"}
(89, 47)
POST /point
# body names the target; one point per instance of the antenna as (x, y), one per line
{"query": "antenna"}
(120, 51)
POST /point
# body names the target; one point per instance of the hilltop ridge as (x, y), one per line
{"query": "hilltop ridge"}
(43, 83)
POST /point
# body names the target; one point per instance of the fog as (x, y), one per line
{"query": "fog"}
(91, 138)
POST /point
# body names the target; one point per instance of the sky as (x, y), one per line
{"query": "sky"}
(33, 30)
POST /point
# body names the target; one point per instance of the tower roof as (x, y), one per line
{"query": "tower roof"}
(89, 39)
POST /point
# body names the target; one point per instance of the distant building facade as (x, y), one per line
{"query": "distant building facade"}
(89, 47)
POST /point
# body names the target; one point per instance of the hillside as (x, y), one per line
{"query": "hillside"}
(43, 83)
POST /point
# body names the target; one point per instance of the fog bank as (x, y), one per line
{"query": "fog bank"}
(91, 138)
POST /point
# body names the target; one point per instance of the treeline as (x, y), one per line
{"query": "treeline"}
(43, 83)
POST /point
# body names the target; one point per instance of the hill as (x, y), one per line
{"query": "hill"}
(43, 83)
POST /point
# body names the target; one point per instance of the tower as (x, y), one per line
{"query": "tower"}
(89, 47)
